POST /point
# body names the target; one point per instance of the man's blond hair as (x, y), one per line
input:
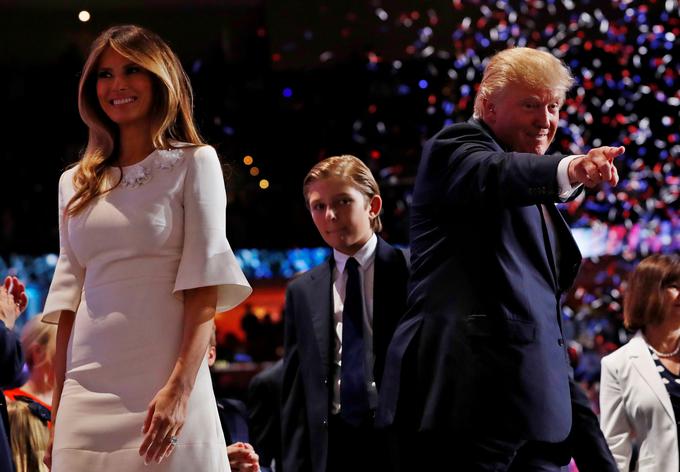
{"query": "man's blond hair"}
(529, 67)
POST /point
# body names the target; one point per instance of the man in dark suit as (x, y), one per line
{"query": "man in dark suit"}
(586, 443)
(327, 426)
(12, 302)
(234, 422)
(264, 416)
(480, 356)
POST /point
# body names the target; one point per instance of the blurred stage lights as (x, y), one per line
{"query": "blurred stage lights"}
(254, 171)
(264, 184)
(247, 160)
(84, 16)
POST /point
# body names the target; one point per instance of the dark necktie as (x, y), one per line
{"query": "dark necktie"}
(353, 390)
(552, 241)
(552, 235)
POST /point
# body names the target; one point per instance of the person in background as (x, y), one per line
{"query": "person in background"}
(264, 416)
(30, 433)
(38, 343)
(640, 382)
(233, 419)
(339, 318)
(13, 301)
(144, 264)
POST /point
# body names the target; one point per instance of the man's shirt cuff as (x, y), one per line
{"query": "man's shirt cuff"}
(564, 187)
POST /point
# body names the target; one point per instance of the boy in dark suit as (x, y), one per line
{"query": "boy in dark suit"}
(339, 319)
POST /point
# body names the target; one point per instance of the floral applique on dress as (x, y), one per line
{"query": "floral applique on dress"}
(139, 174)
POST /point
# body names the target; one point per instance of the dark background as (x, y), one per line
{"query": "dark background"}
(292, 82)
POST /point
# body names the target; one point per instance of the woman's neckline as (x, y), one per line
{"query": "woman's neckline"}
(128, 166)
(173, 145)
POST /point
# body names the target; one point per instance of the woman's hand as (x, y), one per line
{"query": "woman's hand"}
(242, 458)
(167, 411)
(164, 420)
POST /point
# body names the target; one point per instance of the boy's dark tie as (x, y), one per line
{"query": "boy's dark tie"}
(353, 391)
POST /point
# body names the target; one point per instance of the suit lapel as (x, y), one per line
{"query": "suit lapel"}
(644, 364)
(566, 266)
(381, 287)
(322, 310)
(548, 244)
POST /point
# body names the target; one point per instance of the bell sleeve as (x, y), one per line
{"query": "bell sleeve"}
(207, 259)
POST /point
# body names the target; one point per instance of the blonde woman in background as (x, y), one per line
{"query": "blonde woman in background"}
(144, 263)
(38, 341)
(30, 434)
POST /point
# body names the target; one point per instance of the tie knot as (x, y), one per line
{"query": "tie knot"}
(352, 264)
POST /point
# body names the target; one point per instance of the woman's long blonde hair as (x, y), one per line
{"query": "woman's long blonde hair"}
(171, 113)
(29, 438)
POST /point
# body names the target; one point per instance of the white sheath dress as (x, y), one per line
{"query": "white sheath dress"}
(124, 263)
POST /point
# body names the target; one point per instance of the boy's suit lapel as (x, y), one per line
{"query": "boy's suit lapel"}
(321, 290)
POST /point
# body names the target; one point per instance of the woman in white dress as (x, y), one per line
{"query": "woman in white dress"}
(144, 264)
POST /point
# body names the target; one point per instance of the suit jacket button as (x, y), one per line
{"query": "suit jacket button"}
(560, 342)
(325, 423)
(325, 381)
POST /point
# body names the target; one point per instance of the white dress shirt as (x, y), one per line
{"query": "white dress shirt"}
(366, 259)
(564, 186)
(565, 190)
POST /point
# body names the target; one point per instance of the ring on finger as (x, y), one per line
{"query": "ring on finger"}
(173, 440)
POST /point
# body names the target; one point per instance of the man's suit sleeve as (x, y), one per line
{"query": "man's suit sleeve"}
(264, 415)
(294, 426)
(587, 443)
(613, 418)
(477, 172)
(11, 357)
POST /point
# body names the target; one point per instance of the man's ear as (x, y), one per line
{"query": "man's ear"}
(489, 108)
(212, 355)
(374, 206)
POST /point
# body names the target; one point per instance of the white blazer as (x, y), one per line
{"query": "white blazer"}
(634, 403)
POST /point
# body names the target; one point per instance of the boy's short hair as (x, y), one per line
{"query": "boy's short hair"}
(354, 171)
